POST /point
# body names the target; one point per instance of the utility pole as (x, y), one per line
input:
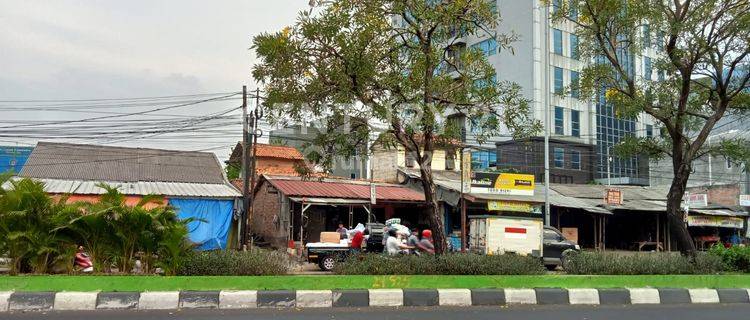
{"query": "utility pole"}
(245, 173)
(257, 114)
(547, 101)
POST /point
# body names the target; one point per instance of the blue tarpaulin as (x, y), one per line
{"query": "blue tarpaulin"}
(214, 218)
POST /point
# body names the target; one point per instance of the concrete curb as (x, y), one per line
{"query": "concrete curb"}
(168, 300)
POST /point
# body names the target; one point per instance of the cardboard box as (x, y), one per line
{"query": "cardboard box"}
(570, 234)
(330, 237)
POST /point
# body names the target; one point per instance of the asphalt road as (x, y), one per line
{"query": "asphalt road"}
(681, 312)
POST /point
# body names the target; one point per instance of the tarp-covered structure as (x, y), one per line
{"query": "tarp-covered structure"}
(193, 182)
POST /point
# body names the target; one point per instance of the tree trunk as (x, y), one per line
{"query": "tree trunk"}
(433, 210)
(675, 214)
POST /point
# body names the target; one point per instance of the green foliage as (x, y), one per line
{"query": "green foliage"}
(736, 258)
(256, 262)
(447, 264)
(346, 60)
(232, 171)
(39, 232)
(605, 263)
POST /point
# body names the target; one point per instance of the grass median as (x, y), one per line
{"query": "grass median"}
(158, 283)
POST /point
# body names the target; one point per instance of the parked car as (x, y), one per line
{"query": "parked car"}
(556, 247)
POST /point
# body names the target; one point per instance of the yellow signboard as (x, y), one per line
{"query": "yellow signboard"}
(509, 206)
(502, 183)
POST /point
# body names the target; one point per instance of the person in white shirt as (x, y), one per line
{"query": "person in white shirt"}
(393, 245)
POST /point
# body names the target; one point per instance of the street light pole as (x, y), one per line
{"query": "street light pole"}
(546, 121)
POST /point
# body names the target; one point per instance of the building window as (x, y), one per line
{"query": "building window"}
(575, 123)
(482, 160)
(557, 41)
(559, 158)
(409, 159)
(450, 160)
(575, 159)
(353, 175)
(574, 47)
(649, 131)
(646, 36)
(559, 121)
(559, 80)
(647, 68)
(575, 83)
(573, 10)
(487, 47)
(556, 4)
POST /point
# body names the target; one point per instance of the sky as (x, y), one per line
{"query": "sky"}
(61, 50)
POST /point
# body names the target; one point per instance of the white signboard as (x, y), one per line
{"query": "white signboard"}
(745, 200)
(695, 200)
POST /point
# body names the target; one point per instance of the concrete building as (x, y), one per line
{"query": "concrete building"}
(545, 63)
(301, 137)
(386, 162)
(571, 162)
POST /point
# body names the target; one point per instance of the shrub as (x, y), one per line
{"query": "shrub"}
(736, 258)
(233, 263)
(605, 263)
(448, 264)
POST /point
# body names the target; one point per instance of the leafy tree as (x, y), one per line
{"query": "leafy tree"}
(397, 63)
(701, 51)
(233, 171)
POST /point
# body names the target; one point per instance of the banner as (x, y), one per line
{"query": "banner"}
(466, 172)
(502, 183)
(510, 206)
(714, 221)
(694, 200)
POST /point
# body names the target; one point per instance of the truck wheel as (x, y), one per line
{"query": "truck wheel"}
(327, 263)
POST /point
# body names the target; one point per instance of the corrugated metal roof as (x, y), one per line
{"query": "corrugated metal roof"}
(597, 191)
(172, 189)
(105, 163)
(326, 188)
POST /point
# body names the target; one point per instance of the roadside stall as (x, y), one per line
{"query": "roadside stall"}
(716, 225)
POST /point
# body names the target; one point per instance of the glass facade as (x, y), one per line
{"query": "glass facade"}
(610, 130)
(574, 47)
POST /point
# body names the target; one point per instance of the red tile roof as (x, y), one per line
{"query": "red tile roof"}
(281, 152)
(345, 190)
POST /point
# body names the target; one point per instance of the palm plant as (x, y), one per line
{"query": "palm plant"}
(31, 225)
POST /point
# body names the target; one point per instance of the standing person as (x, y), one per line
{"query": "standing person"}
(393, 245)
(413, 240)
(425, 245)
(356, 245)
(342, 231)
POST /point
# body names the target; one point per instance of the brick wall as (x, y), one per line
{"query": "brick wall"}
(728, 194)
(268, 220)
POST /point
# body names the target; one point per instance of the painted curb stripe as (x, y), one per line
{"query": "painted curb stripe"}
(314, 299)
(674, 296)
(351, 298)
(386, 298)
(276, 299)
(583, 296)
(487, 297)
(117, 300)
(4, 300)
(520, 296)
(159, 300)
(703, 296)
(231, 299)
(551, 296)
(644, 296)
(454, 297)
(199, 299)
(614, 296)
(421, 298)
(75, 300)
(31, 301)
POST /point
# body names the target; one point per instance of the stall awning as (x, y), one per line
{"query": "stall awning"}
(328, 201)
(719, 212)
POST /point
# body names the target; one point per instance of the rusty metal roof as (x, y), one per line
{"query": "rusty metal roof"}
(168, 189)
(280, 152)
(333, 188)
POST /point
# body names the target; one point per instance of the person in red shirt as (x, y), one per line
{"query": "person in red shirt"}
(356, 245)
